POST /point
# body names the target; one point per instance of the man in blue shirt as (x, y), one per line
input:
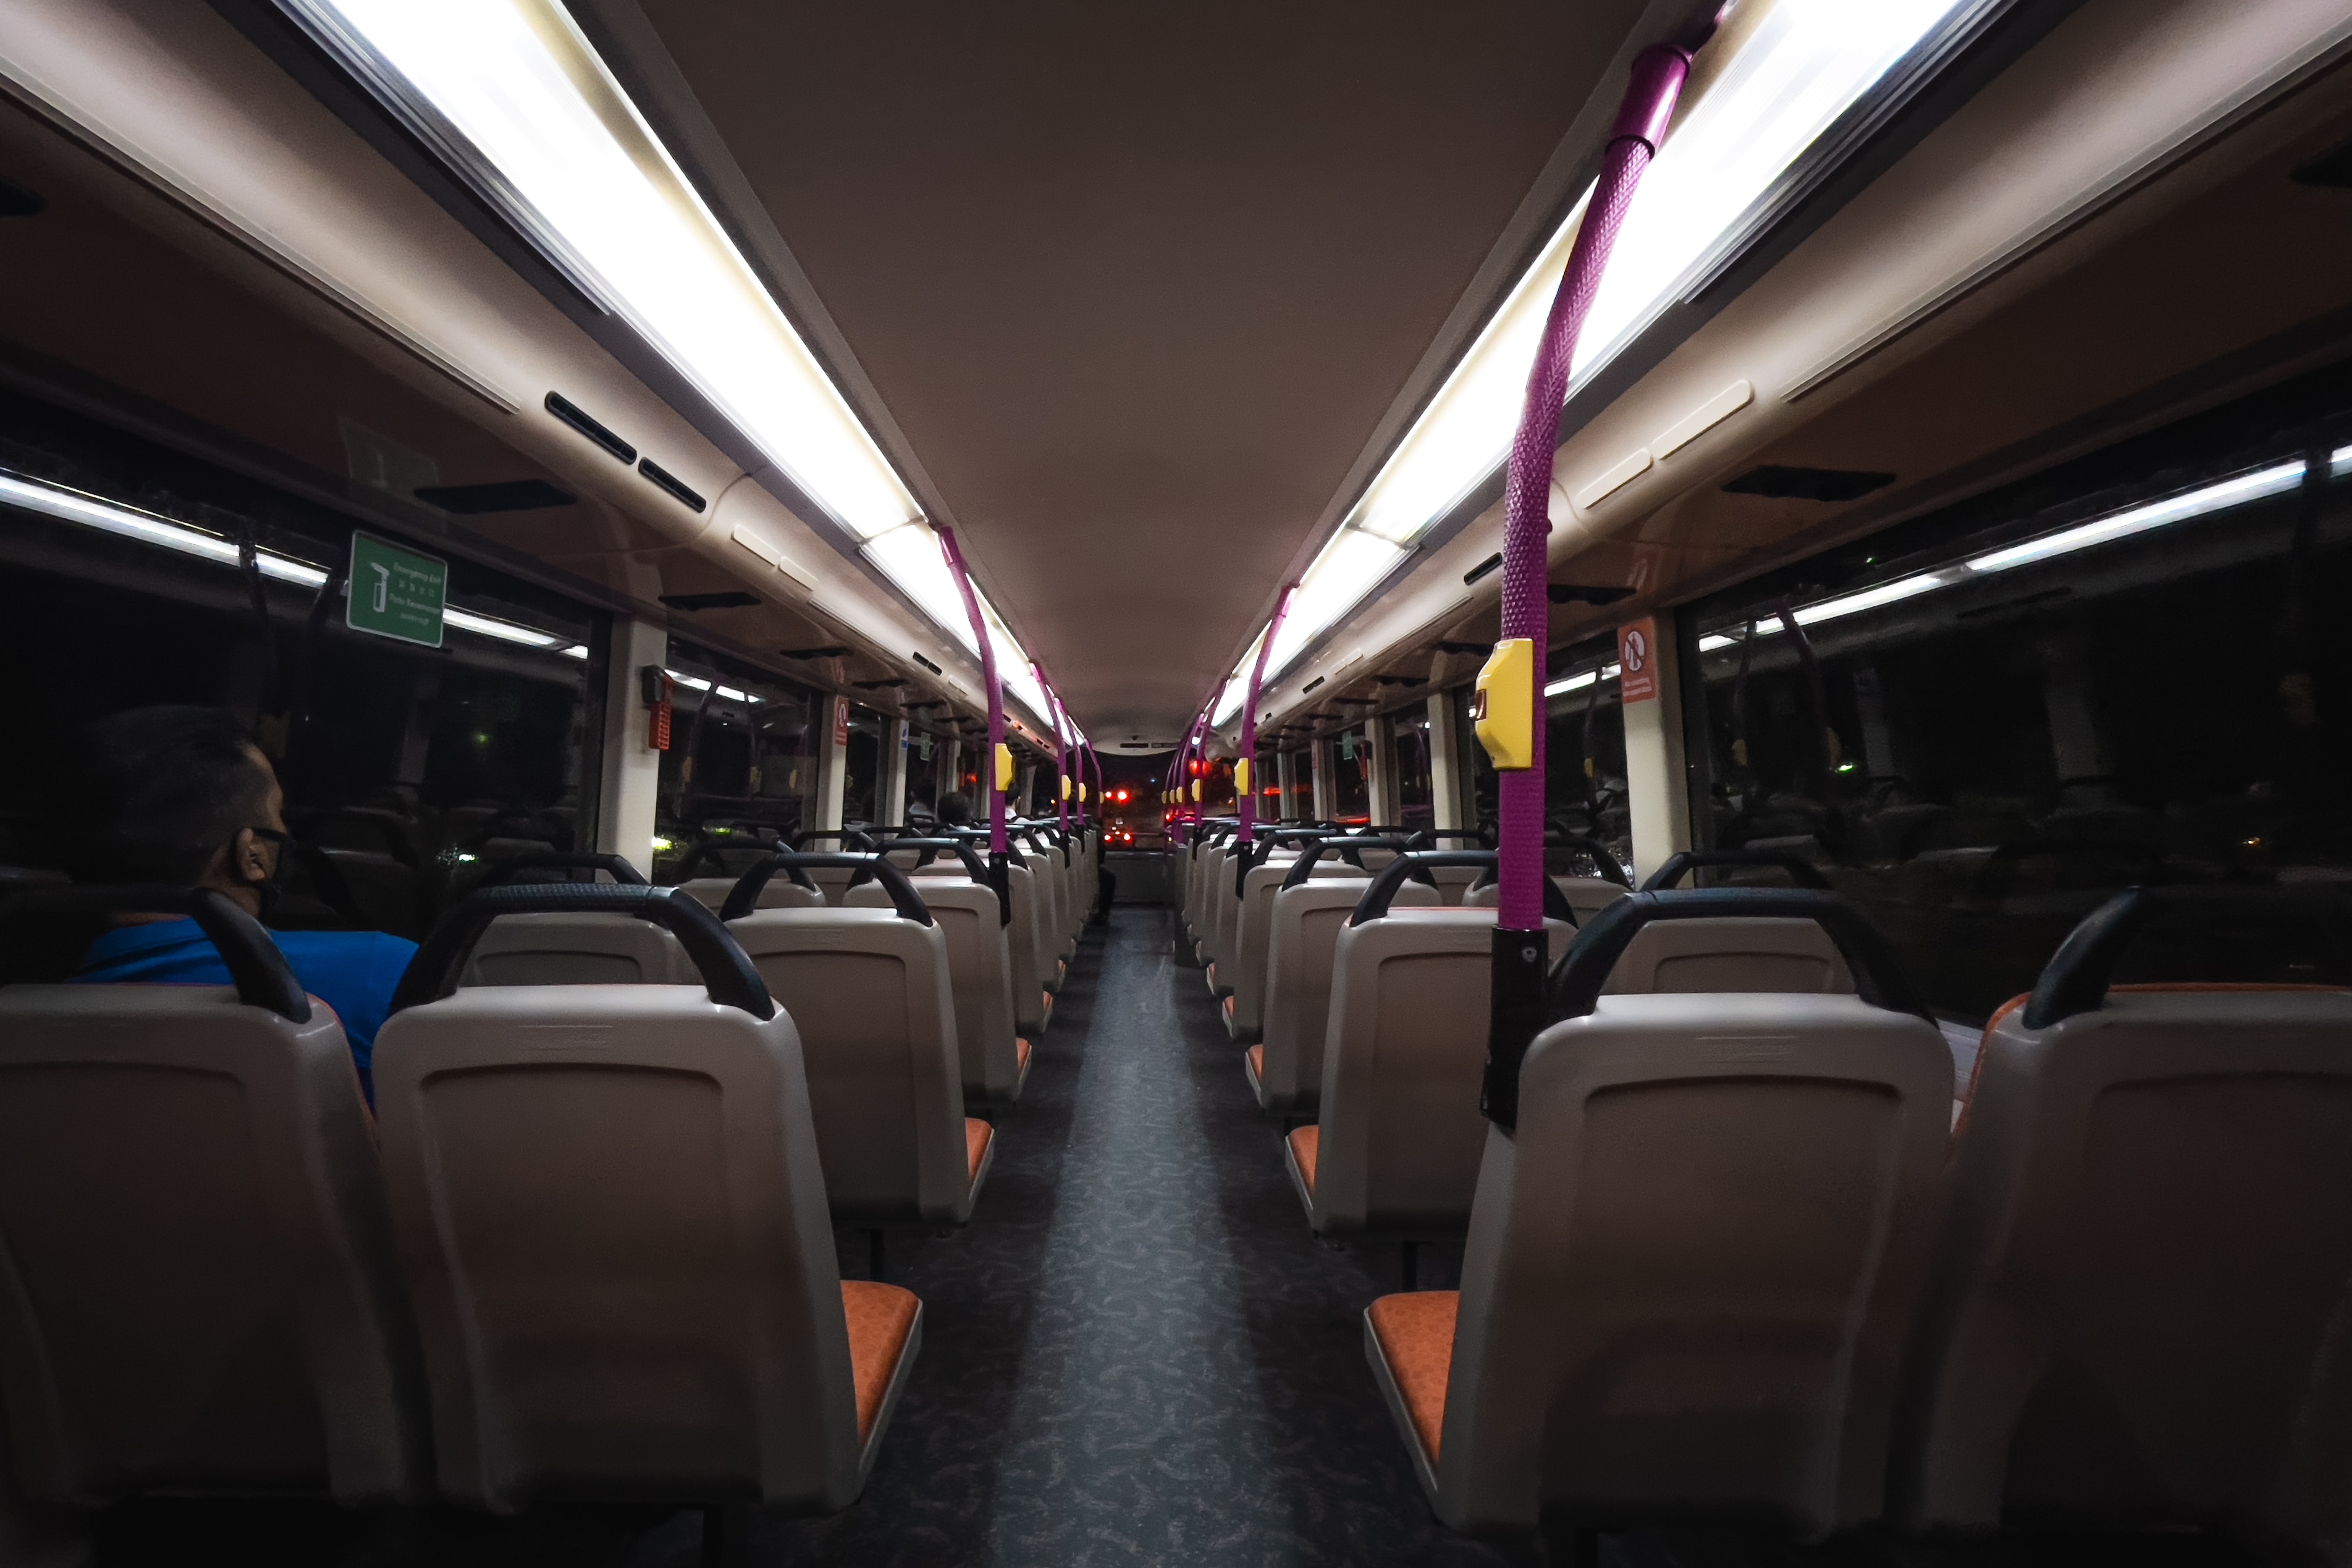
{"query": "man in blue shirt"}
(181, 795)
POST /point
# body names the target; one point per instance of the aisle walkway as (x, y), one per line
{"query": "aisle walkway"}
(1137, 1353)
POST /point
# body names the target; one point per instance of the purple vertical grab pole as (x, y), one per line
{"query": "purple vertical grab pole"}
(1519, 952)
(1246, 802)
(997, 843)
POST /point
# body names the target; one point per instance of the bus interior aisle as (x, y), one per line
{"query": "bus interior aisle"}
(1333, 782)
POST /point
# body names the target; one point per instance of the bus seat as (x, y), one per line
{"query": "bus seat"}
(1731, 954)
(2145, 1267)
(205, 1291)
(979, 974)
(1588, 896)
(564, 948)
(1286, 1071)
(612, 1210)
(1693, 1264)
(1045, 916)
(1396, 1142)
(869, 990)
(711, 892)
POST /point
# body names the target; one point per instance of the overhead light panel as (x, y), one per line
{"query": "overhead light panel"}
(1801, 68)
(513, 95)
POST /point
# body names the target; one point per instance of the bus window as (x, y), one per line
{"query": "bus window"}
(740, 771)
(404, 766)
(1351, 776)
(2116, 675)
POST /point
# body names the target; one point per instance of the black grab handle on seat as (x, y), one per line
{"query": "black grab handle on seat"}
(745, 898)
(726, 974)
(1349, 849)
(501, 872)
(1429, 837)
(1577, 980)
(260, 971)
(930, 847)
(1683, 862)
(1594, 850)
(1257, 854)
(2076, 977)
(865, 841)
(1374, 904)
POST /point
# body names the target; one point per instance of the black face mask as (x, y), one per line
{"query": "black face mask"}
(271, 888)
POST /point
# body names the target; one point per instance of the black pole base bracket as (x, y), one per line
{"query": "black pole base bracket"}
(1519, 968)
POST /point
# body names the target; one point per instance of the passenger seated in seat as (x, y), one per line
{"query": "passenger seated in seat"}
(180, 795)
(953, 810)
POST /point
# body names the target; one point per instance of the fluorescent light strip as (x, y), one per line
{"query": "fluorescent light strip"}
(1801, 68)
(515, 86)
(2242, 489)
(1579, 682)
(110, 517)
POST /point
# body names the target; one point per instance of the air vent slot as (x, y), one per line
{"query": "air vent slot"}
(563, 408)
(927, 664)
(831, 650)
(730, 600)
(1313, 684)
(670, 482)
(1808, 484)
(506, 495)
(1484, 569)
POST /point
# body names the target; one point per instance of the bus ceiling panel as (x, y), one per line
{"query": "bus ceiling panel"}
(167, 138)
(234, 162)
(2028, 249)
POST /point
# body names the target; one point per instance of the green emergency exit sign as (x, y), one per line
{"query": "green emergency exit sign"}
(395, 592)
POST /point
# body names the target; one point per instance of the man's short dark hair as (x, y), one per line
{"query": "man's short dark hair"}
(155, 792)
(955, 809)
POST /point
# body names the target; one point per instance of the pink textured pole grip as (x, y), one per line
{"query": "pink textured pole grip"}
(1649, 105)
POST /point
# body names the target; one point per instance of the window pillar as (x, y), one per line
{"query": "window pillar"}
(629, 782)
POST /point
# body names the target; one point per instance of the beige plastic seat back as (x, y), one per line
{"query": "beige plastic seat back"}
(585, 949)
(1734, 954)
(1029, 994)
(1252, 927)
(780, 893)
(1692, 1267)
(1211, 874)
(868, 992)
(202, 1292)
(1045, 916)
(1399, 1126)
(1303, 928)
(612, 1206)
(2148, 1269)
(980, 976)
(1588, 896)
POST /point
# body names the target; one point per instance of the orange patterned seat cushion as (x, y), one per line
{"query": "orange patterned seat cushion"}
(879, 1316)
(1258, 1061)
(976, 1135)
(1021, 1052)
(1306, 1142)
(1415, 1331)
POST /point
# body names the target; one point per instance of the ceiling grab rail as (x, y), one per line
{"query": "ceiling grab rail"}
(994, 771)
(1245, 769)
(1517, 669)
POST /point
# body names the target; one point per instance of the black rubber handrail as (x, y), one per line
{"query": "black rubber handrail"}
(1415, 863)
(1258, 853)
(260, 971)
(501, 872)
(1592, 848)
(1577, 979)
(1428, 837)
(745, 898)
(1683, 862)
(803, 836)
(931, 849)
(2076, 979)
(727, 973)
(1350, 847)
